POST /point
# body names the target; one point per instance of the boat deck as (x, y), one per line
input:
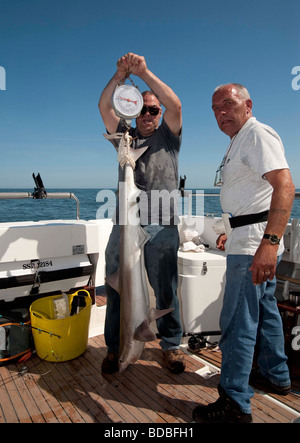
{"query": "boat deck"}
(76, 391)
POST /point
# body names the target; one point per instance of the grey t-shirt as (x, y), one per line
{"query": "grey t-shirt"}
(156, 174)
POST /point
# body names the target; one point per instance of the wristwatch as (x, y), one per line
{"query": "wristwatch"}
(273, 239)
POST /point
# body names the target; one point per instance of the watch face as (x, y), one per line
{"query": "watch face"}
(127, 101)
(274, 239)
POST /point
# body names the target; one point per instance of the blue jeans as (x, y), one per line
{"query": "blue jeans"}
(161, 265)
(249, 317)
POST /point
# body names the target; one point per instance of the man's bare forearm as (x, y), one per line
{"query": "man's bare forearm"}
(281, 208)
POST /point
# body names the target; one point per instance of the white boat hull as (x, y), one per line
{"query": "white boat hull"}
(67, 254)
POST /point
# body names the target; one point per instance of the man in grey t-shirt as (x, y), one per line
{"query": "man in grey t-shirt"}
(156, 170)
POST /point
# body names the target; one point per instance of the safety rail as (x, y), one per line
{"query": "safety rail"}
(190, 195)
(51, 195)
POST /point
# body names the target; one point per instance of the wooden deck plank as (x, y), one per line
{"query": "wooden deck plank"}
(146, 392)
(26, 390)
(8, 412)
(121, 395)
(31, 381)
(112, 395)
(107, 393)
(142, 393)
(144, 396)
(49, 386)
(61, 391)
(28, 395)
(263, 408)
(70, 386)
(183, 386)
(19, 402)
(87, 381)
(158, 398)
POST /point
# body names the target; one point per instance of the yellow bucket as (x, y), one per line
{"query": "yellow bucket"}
(58, 340)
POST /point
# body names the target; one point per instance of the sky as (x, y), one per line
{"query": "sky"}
(58, 55)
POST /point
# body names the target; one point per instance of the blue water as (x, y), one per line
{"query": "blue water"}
(90, 208)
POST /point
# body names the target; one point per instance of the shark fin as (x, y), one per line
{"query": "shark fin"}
(157, 313)
(113, 281)
(144, 333)
(143, 237)
(137, 153)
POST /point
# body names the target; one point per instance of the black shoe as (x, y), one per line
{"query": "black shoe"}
(110, 364)
(224, 410)
(256, 380)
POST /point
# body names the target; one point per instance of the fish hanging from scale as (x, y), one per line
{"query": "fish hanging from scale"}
(130, 281)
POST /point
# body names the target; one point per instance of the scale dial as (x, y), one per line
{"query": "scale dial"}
(127, 101)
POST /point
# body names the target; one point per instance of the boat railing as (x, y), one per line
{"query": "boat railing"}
(51, 195)
(190, 195)
(69, 195)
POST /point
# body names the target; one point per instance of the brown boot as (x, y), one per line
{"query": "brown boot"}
(174, 360)
(257, 380)
(110, 364)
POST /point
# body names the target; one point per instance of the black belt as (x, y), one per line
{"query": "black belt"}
(249, 219)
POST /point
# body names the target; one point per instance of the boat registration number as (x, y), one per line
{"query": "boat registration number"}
(37, 264)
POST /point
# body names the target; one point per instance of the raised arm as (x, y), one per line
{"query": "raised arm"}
(169, 99)
(107, 112)
(172, 116)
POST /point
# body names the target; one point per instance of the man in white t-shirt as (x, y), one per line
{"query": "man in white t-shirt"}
(258, 193)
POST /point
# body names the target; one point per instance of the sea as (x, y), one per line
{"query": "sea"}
(99, 204)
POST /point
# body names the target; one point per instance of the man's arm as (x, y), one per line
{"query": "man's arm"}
(107, 112)
(137, 66)
(172, 114)
(265, 258)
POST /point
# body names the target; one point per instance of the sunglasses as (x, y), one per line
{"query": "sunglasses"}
(153, 110)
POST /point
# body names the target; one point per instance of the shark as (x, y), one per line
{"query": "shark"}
(131, 281)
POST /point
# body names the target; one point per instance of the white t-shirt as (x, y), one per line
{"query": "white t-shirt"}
(254, 151)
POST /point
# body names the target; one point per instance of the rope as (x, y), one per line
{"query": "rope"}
(124, 156)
